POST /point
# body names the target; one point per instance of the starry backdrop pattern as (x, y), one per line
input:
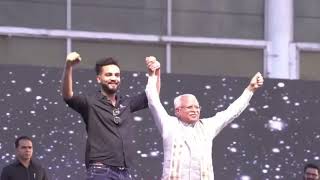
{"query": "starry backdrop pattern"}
(272, 139)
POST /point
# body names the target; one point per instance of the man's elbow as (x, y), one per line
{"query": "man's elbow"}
(67, 96)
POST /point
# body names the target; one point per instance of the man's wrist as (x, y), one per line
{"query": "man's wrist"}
(251, 88)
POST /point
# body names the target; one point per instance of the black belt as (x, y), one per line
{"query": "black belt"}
(115, 168)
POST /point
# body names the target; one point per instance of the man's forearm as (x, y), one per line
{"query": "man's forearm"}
(158, 80)
(67, 91)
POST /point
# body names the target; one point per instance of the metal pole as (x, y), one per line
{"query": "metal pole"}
(68, 26)
(169, 33)
(279, 31)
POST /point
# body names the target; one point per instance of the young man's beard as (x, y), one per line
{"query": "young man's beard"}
(107, 90)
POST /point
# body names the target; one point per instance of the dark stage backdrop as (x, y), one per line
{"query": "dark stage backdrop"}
(276, 135)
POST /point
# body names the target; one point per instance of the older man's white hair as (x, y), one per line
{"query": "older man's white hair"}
(177, 100)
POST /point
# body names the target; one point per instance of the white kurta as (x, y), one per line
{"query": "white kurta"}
(188, 148)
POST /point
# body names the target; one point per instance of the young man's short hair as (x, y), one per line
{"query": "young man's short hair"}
(105, 62)
(16, 143)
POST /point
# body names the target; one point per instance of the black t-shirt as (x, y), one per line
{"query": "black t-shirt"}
(108, 126)
(16, 171)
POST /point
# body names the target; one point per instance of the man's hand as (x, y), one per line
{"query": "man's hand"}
(256, 82)
(73, 58)
(154, 70)
(152, 64)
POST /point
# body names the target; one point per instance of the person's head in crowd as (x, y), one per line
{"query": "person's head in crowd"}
(24, 148)
(311, 172)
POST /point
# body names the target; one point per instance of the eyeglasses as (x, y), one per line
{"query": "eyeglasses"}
(189, 108)
(116, 118)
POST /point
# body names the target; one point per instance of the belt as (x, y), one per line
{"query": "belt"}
(115, 168)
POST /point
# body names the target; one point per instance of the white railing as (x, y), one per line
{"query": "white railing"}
(136, 38)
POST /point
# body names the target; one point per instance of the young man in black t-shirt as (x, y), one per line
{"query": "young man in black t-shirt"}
(107, 116)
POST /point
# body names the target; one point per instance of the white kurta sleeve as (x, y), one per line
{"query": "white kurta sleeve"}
(216, 123)
(160, 115)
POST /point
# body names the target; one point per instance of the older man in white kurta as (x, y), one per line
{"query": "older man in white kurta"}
(187, 140)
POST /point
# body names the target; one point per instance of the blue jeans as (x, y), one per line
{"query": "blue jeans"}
(101, 172)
